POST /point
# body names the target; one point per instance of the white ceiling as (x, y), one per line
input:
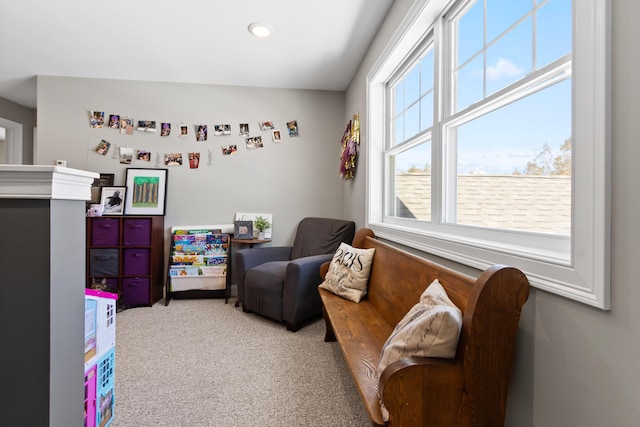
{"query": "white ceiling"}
(314, 45)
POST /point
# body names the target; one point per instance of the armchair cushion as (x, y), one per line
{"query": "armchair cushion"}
(266, 280)
(246, 259)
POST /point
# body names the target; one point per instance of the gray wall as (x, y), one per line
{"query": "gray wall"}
(576, 365)
(291, 179)
(25, 116)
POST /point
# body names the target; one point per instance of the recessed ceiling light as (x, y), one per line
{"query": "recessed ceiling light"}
(259, 29)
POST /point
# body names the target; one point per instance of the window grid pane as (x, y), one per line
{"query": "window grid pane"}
(412, 183)
(413, 101)
(499, 42)
(509, 168)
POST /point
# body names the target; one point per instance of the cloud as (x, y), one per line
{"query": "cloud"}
(503, 68)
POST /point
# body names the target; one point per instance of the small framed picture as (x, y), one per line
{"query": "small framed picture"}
(276, 135)
(105, 180)
(146, 191)
(112, 200)
(243, 230)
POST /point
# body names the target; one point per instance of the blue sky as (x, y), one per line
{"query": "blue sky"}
(508, 138)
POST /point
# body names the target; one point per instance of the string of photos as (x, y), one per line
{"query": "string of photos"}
(350, 148)
(200, 133)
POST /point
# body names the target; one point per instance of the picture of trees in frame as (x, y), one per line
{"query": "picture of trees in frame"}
(146, 191)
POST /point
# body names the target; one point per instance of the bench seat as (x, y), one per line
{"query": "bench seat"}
(362, 333)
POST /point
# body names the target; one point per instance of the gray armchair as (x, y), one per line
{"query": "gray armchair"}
(281, 282)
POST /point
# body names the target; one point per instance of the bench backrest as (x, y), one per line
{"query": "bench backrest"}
(398, 278)
(490, 304)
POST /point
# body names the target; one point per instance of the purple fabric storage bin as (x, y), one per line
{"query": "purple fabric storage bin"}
(137, 232)
(135, 262)
(112, 283)
(135, 291)
(105, 232)
(103, 262)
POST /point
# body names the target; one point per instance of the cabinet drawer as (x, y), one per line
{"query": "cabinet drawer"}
(103, 262)
(137, 232)
(135, 262)
(105, 232)
(135, 291)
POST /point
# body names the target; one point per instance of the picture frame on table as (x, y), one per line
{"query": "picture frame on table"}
(243, 230)
(146, 191)
(252, 216)
(112, 200)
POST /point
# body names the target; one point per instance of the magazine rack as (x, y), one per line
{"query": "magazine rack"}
(198, 263)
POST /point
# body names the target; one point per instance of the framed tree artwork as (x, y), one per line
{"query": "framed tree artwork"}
(146, 191)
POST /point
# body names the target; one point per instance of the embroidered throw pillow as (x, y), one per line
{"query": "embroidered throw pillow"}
(348, 272)
(430, 329)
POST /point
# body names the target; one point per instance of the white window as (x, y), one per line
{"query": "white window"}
(488, 124)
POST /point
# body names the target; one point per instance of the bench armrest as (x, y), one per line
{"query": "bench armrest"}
(324, 268)
(422, 391)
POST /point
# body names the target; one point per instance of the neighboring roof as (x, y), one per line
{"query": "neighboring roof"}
(522, 202)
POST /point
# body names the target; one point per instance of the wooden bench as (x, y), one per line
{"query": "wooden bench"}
(469, 390)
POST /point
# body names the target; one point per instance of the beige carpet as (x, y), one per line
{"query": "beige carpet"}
(201, 362)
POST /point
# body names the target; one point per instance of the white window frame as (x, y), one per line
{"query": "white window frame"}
(578, 269)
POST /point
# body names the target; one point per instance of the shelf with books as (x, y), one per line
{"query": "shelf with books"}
(198, 263)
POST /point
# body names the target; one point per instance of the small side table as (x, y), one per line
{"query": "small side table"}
(249, 242)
